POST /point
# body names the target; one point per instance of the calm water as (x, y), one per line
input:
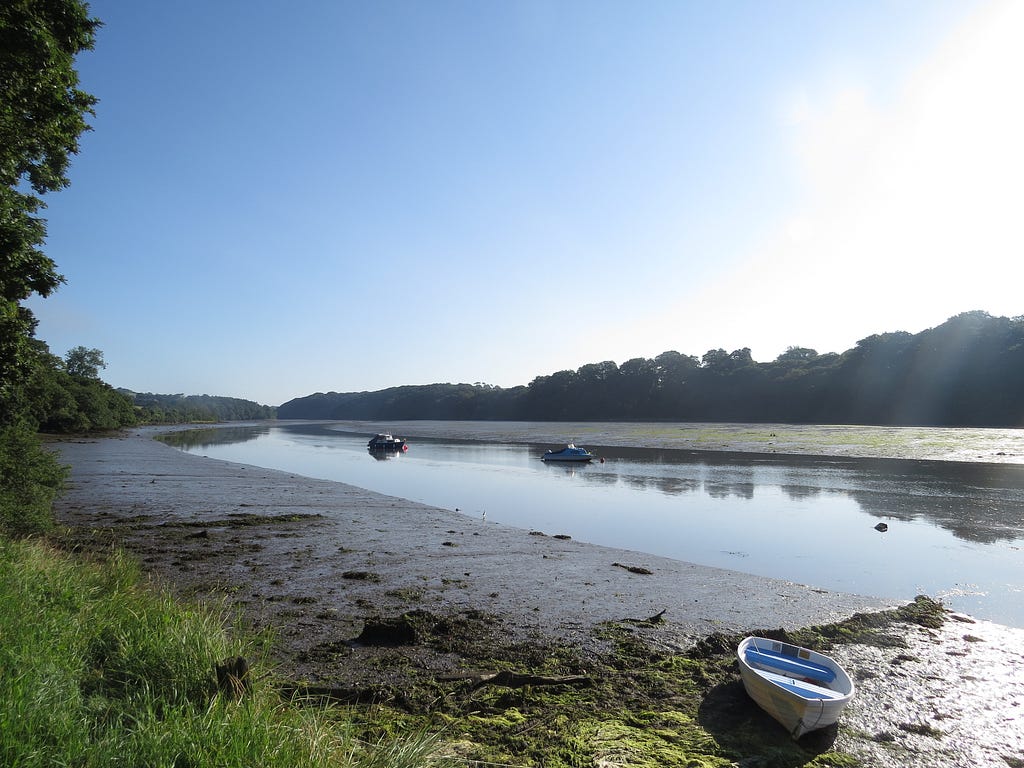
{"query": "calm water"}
(955, 530)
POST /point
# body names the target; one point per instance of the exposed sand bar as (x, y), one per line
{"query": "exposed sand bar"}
(972, 444)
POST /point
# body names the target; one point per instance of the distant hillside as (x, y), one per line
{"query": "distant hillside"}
(182, 409)
(969, 371)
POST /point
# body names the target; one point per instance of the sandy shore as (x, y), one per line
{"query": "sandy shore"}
(315, 560)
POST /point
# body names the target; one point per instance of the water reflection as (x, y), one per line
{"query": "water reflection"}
(975, 502)
(192, 439)
(955, 530)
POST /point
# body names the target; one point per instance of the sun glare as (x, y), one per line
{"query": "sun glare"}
(911, 210)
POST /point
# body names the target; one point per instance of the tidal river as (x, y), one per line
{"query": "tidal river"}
(952, 529)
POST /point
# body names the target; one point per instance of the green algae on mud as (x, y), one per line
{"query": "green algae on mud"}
(634, 703)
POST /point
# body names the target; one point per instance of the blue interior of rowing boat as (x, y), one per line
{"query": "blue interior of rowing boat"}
(796, 667)
(804, 690)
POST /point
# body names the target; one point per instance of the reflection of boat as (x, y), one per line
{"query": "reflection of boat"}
(385, 455)
(569, 453)
(802, 689)
(387, 442)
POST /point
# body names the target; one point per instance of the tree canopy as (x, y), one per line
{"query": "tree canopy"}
(42, 115)
(967, 371)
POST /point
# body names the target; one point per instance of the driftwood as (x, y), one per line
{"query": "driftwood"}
(510, 679)
(634, 569)
(657, 618)
(336, 695)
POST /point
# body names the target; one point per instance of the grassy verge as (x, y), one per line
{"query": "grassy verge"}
(97, 669)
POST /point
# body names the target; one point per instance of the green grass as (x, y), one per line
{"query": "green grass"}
(98, 669)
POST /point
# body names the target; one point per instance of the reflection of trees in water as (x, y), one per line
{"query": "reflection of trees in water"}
(727, 490)
(677, 485)
(602, 478)
(801, 492)
(984, 520)
(673, 486)
(974, 502)
(203, 438)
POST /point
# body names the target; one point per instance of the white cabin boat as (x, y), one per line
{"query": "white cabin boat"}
(802, 689)
(569, 453)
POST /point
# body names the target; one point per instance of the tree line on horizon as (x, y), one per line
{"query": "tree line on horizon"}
(189, 409)
(968, 371)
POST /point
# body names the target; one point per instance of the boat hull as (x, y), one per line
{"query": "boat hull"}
(384, 442)
(569, 453)
(802, 689)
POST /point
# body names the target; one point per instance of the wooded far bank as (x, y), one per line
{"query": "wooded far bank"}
(969, 371)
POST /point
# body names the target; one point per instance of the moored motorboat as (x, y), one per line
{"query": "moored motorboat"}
(569, 453)
(802, 689)
(385, 441)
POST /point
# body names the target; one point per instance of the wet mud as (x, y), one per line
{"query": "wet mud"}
(376, 599)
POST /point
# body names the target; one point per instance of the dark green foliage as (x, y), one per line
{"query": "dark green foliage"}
(433, 401)
(42, 115)
(190, 409)
(969, 371)
(84, 363)
(61, 402)
(30, 478)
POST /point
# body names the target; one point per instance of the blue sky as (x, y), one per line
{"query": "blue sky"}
(280, 199)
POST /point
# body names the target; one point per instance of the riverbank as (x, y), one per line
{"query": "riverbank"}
(321, 563)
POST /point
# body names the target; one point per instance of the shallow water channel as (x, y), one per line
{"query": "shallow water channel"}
(955, 529)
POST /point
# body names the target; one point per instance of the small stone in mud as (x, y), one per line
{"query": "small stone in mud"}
(399, 630)
(386, 635)
(903, 658)
(921, 729)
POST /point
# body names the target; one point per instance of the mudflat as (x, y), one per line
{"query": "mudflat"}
(325, 565)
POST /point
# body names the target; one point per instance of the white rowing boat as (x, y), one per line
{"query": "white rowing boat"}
(802, 689)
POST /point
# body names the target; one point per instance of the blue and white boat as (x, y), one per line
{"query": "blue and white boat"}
(569, 453)
(802, 689)
(385, 441)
